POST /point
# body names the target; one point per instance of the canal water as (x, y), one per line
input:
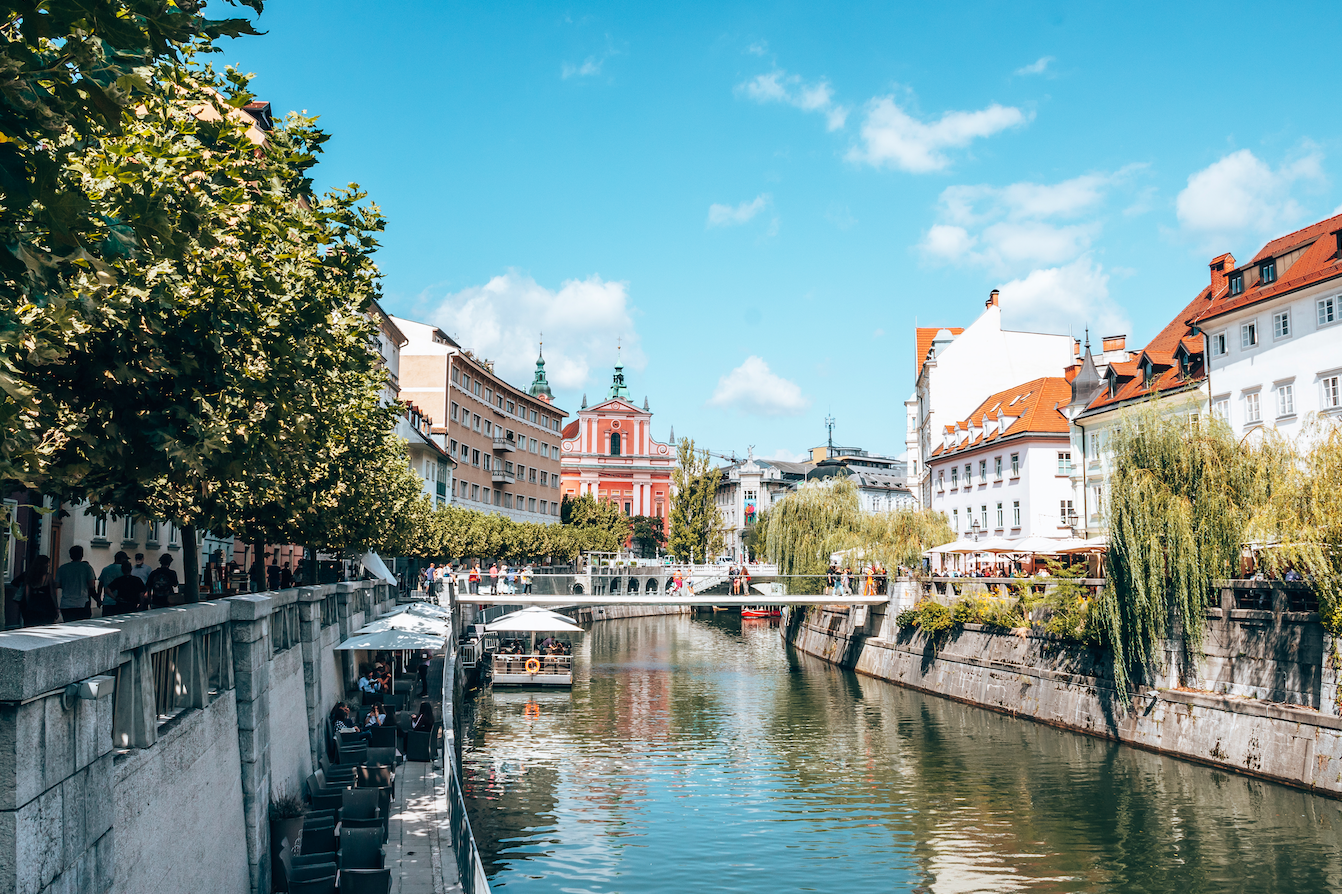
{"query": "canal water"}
(698, 754)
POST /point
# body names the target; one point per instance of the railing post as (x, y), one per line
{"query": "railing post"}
(251, 674)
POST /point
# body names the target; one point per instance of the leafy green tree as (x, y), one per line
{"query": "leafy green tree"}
(696, 525)
(648, 534)
(598, 525)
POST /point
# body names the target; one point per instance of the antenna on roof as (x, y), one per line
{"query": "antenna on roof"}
(829, 427)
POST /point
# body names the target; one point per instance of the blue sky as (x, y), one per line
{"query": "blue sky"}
(760, 200)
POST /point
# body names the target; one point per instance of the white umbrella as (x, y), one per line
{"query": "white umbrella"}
(411, 622)
(1093, 545)
(1047, 546)
(391, 640)
(532, 620)
(955, 546)
(373, 562)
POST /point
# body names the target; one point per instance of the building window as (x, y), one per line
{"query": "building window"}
(465, 452)
(955, 476)
(554, 509)
(955, 520)
(475, 458)
(1248, 335)
(1015, 513)
(983, 517)
(1066, 511)
(507, 501)
(983, 471)
(534, 414)
(151, 535)
(997, 467)
(1092, 447)
(1221, 408)
(532, 446)
(1267, 271)
(456, 376)
(969, 474)
(1099, 500)
(531, 476)
(545, 507)
(1327, 311)
(475, 492)
(475, 422)
(531, 504)
(466, 383)
(545, 479)
(1236, 283)
(1331, 395)
(454, 411)
(128, 528)
(1252, 411)
(614, 445)
(1015, 465)
(1281, 325)
(999, 515)
(498, 497)
(478, 388)
(1064, 462)
(489, 428)
(100, 527)
(452, 447)
(512, 408)
(1285, 400)
(486, 462)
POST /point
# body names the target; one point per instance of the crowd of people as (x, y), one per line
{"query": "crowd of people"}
(499, 578)
(869, 580)
(40, 596)
(547, 646)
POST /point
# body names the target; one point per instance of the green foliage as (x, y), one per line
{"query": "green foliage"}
(599, 525)
(803, 530)
(1180, 502)
(454, 532)
(696, 526)
(648, 534)
(754, 539)
(933, 618)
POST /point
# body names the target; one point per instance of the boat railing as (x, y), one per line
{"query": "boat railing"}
(548, 664)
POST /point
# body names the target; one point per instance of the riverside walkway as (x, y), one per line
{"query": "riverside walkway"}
(420, 858)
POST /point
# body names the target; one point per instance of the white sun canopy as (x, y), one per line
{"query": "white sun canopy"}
(391, 640)
(532, 620)
(378, 568)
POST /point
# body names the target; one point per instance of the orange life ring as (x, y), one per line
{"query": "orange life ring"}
(533, 666)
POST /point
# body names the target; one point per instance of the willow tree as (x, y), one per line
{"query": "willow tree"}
(1301, 525)
(1180, 501)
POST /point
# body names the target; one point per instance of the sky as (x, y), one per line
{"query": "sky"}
(754, 204)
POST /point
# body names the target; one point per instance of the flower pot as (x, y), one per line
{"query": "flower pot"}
(286, 835)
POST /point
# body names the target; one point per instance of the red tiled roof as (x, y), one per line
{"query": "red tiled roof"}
(1318, 263)
(1034, 403)
(923, 338)
(570, 430)
(1160, 351)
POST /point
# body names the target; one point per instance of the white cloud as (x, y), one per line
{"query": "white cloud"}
(1036, 67)
(735, 215)
(590, 66)
(758, 48)
(581, 321)
(779, 86)
(1241, 195)
(1023, 224)
(1062, 299)
(893, 138)
(751, 388)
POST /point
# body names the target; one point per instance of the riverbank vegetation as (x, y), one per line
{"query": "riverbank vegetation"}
(801, 532)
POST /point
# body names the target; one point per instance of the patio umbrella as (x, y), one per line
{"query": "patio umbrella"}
(391, 640)
(532, 620)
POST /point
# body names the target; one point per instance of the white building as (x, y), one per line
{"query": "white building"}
(958, 369)
(1005, 469)
(1274, 333)
(748, 488)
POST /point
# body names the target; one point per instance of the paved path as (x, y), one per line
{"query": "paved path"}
(415, 853)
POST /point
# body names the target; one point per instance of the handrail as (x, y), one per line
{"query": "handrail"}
(470, 869)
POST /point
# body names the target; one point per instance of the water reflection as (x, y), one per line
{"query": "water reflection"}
(704, 755)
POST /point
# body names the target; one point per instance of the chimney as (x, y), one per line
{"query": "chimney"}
(1220, 267)
(1113, 343)
(992, 299)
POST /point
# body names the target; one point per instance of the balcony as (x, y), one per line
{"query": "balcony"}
(504, 445)
(502, 477)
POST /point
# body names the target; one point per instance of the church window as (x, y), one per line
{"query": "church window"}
(615, 445)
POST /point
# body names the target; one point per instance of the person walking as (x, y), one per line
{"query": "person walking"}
(832, 579)
(256, 574)
(162, 585)
(141, 570)
(286, 577)
(129, 590)
(473, 579)
(842, 588)
(273, 575)
(78, 585)
(107, 598)
(38, 601)
(494, 578)
(526, 579)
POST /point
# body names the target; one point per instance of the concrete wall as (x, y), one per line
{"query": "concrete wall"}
(121, 790)
(587, 614)
(1039, 678)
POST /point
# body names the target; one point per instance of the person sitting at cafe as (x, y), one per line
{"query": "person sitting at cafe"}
(377, 716)
(369, 683)
(423, 721)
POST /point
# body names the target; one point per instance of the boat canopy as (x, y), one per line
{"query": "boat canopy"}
(532, 619)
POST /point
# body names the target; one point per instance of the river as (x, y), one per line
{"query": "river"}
(698, 754)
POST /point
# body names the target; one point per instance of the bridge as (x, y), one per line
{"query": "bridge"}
(763, 597)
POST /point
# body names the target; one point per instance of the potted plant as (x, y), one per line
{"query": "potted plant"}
(286, 832)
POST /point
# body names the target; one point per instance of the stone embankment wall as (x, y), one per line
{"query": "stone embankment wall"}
(588, 613)
(141, 752)
(1263, 701)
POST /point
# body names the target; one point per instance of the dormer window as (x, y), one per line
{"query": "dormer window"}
(1236, 283)
(1267, 271)
(1148, 373)
(1113, 385)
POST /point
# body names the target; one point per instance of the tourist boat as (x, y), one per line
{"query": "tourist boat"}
(761, 611)
(532, 665)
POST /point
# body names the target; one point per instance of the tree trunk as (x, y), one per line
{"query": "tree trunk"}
(311, 577)
(190, 566)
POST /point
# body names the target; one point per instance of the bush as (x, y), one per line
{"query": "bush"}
(907, 618)
(287, 807)
(934, 618)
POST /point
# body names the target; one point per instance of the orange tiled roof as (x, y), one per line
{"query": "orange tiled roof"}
(570, 431)
(1160, 351)
(1318, 263)
(923, 338)
(1035, 404)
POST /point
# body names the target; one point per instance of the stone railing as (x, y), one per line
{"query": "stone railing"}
(142, 751)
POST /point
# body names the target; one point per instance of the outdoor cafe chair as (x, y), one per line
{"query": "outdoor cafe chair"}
(419, 746)
(382, 737)
(384, 756)
(319, 840)
(358, 803)
(318, 859)
(325, 885)
(370, 698)
(312, 871)
(353, 754)
(361, 849)
(328, 799)
(365, 881)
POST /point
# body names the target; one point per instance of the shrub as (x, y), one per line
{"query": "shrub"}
(934, 618)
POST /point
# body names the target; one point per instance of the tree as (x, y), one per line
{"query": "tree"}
(648, 535)
(696, 525)
(598, 525)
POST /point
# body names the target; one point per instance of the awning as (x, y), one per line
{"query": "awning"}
(532, 620)
(391, 640)
(1047, 546)
(373, 562)
(1093, 545)
(412, 622)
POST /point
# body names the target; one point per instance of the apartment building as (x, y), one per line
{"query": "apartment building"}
(504, 439)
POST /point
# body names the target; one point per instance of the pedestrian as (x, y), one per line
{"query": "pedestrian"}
(78, 585)
(494, 578)
(474, 579)
(526, 579)
(257, 574)
(831, 579)
(842, 588)
(129, 590)
(286, 577)
(422, 674)
(106, 598)
(273, 575)
(163, 583)
(38, 601)
(141, 570)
